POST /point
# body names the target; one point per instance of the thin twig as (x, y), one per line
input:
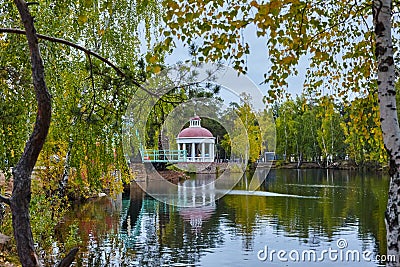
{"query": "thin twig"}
(93, 102)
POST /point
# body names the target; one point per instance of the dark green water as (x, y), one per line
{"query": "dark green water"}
(317, 209)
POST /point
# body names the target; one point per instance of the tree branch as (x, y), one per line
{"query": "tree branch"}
(67, 261)
(81, 48)
(339, 22)
(106, 61)
(68, 43)
(93, 101)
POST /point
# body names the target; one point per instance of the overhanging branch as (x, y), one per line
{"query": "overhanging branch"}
(81, 48)
(68, 43)
(94, 54)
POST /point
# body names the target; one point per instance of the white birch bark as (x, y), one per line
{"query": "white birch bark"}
(389, 121)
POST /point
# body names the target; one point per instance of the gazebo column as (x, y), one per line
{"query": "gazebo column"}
(211, 151)
(203, 151)
(193, 152)
(184, 150)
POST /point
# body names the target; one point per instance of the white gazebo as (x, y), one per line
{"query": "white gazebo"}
(198, 142)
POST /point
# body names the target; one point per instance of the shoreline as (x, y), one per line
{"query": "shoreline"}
(339, 165)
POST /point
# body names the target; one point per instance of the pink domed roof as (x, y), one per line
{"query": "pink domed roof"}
(195, 132)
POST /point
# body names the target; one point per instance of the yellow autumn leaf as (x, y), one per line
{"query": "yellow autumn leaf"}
(152, 59)
(275, 4)
(156, 69)
(288, 60)
(82, 19)
(254, 4)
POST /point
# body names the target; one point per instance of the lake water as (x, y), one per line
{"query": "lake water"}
(317, 217)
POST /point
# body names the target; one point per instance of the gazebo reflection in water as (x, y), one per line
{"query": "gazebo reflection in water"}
(199, 207)
(198, 198)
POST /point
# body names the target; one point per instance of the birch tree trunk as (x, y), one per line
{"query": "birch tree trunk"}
(382, 10)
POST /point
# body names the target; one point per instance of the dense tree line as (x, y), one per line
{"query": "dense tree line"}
(310, 129)
(324, 130)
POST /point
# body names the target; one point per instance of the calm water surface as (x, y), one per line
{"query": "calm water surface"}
(314, 210)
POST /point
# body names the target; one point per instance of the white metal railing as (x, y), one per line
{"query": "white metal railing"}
(199, 159)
